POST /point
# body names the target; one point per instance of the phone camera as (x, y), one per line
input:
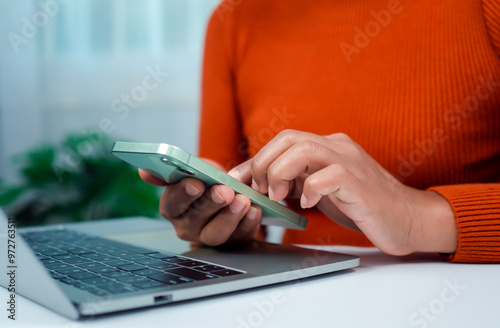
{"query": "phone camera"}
(169, 162)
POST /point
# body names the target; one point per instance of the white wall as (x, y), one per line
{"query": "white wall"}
(89, 54)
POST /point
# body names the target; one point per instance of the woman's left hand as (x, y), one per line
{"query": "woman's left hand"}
(344, 182)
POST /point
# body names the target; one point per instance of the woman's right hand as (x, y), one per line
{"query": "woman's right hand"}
(212, 217)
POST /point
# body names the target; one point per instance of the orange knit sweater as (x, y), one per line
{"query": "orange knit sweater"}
(415, 83)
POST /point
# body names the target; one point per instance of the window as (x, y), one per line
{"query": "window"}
(77, 59)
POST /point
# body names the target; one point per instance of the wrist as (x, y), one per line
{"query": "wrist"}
(434, 226)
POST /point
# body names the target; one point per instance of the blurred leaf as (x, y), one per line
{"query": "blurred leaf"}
(8, 195)
(77, 180)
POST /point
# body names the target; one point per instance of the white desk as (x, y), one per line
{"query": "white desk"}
(384, 291)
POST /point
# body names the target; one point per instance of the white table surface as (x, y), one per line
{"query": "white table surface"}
(384, 291)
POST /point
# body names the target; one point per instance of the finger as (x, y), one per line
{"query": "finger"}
(218, 230)
(189, 224)
(177, 198)
(326, 205)
(151, 179)
(248, 227)
(302, 157)
(333, 181)
(242, 172)
(272, 150)
(297, 185)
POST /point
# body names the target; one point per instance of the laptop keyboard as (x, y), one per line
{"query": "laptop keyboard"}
(102, 266)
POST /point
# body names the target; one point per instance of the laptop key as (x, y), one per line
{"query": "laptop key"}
(64, 256)
(92, 255)
(89, 265)
(42, 248)
(98, 292)
(149, 284)
(149, 262)
(53, 253)
(118, 263)
(75, 260)
(69, 270)
(97, 281)
(117, 288)
(59, 265)
(175, 259)
(103, 258)
(125, 247)
(81, 286)
(119, 253)
(117, 274)
(68, 281)
(147, 272)
(57, 276)
(170, 279)
(132, 279)
(135, 258)
(159, 255)
(191, 274)
(80, 251)
(190, 263)
(164, 266)
(103, 269)
(209, 268)
(50, 261)
(82, 275)
(132, 267)
(226, 272)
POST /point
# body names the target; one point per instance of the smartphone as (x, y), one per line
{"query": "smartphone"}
(173, 164)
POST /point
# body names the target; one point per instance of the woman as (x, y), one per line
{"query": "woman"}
(377, 120)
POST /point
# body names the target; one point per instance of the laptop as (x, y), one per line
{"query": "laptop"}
(80, 274)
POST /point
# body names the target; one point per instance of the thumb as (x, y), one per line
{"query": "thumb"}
(242, 172)
(151, 179)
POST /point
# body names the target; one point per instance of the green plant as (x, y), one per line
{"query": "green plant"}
(77, 180)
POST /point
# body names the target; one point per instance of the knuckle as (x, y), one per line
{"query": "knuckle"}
(306, 145)
(255, 166)
(183, 234)
(341, 136)
(348, 149)
(310, 183)
(272, 172)
(212, 240)
(248, 226)
(164, 212)
(201, 204)
(287, 135)
(336, 169)
(308, 148)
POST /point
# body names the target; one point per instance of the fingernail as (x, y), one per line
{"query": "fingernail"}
(236, 206)
(191, 190)
(216, 197)
(303, 201)
(252, 213)
(254, 185)
(271, 193)
(234, 173)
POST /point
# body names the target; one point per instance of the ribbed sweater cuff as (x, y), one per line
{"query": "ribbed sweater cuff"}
(477, 212)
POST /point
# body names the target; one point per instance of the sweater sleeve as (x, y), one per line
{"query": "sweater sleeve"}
(220, 136)
(477, 213)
